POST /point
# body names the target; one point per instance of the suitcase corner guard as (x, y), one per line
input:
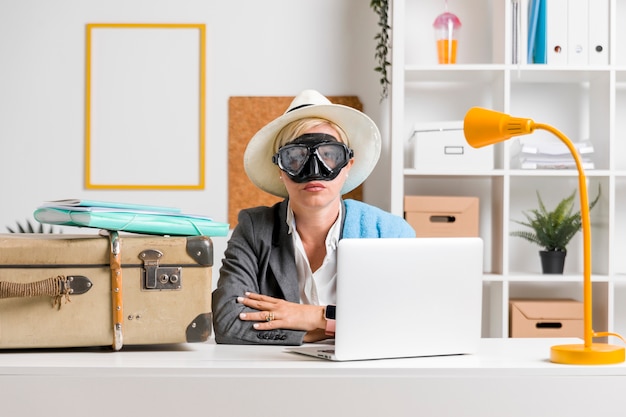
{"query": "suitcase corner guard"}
(200, 248)
(200, 328)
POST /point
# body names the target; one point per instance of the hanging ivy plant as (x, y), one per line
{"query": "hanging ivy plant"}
(381, 8)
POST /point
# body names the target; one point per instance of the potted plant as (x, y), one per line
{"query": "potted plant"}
(552, 230)
(29, 228)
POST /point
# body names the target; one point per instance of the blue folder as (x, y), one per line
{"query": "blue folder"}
(541, 42)
(123, 217)
(537, 53)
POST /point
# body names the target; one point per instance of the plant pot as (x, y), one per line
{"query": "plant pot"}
(552, 261)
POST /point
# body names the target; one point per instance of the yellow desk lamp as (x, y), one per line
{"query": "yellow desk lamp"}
(484, 127)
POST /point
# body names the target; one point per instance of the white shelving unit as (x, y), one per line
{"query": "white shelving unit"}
(584, 102)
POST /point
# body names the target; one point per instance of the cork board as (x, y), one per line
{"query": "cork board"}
(246, 115)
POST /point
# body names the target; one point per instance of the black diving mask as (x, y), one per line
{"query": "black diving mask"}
(313, 156)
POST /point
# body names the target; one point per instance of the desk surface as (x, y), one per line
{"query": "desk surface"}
(510, 376)
(519, 356)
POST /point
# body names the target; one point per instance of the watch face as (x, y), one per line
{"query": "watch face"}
(330, 312)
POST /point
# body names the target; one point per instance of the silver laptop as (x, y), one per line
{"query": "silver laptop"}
(405, 298)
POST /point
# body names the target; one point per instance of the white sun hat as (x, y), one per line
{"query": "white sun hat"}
(363, 136)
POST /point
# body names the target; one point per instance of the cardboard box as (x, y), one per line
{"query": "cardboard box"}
(432, 216)
(441, 146)
(546, 318)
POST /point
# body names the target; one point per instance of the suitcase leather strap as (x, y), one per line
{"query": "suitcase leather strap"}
(115, 260)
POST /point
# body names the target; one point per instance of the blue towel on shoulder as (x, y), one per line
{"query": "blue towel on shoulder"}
(365, 221)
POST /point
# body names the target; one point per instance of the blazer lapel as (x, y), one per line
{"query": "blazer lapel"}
(282, 259)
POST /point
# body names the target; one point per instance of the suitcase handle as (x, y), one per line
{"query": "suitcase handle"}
(57, 287)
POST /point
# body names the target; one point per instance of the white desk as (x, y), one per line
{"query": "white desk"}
(508, 377)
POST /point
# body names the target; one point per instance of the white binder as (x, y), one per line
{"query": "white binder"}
(599, 32)
(556, 31)
(577, 32)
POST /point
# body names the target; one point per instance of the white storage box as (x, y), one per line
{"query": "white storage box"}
(441, 146)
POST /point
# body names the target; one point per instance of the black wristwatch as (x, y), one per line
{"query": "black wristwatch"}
(329, 314)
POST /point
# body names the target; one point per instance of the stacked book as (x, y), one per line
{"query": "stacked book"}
(552, 155)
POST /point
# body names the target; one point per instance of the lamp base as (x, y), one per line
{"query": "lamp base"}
(596, 354)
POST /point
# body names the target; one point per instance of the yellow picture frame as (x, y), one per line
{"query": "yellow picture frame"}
(145, 104)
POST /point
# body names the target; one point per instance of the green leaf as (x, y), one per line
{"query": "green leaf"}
(552, 230)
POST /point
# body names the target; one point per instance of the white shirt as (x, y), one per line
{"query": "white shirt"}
(319, 288)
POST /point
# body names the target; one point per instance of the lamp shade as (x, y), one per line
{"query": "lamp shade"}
(484, 127)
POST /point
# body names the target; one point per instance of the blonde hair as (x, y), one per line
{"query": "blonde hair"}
(295, 129)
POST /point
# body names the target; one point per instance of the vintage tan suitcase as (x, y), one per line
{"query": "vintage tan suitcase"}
(61, 290)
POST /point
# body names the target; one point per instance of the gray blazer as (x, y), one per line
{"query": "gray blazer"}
(259, 258)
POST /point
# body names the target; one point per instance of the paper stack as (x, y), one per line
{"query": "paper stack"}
(552, 155)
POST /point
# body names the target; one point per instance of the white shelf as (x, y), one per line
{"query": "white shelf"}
(418, 173)
(545, 278)
(453, 73)
(557, 173)
(584, 102)
(513, 173)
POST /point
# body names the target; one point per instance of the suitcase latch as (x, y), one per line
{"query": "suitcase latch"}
(157, 277)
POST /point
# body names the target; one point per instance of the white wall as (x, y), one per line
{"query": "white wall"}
(272, 47)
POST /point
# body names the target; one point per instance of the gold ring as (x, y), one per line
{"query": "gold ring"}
(270, 316)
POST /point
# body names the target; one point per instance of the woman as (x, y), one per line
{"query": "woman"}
(279, 270)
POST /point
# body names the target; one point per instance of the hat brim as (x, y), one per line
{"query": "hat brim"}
(362, 132)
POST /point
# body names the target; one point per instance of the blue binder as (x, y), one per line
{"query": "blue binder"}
(541, 42)
(533, 15)
(537, 53)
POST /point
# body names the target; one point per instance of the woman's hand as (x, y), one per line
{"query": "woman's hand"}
(275, 313)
